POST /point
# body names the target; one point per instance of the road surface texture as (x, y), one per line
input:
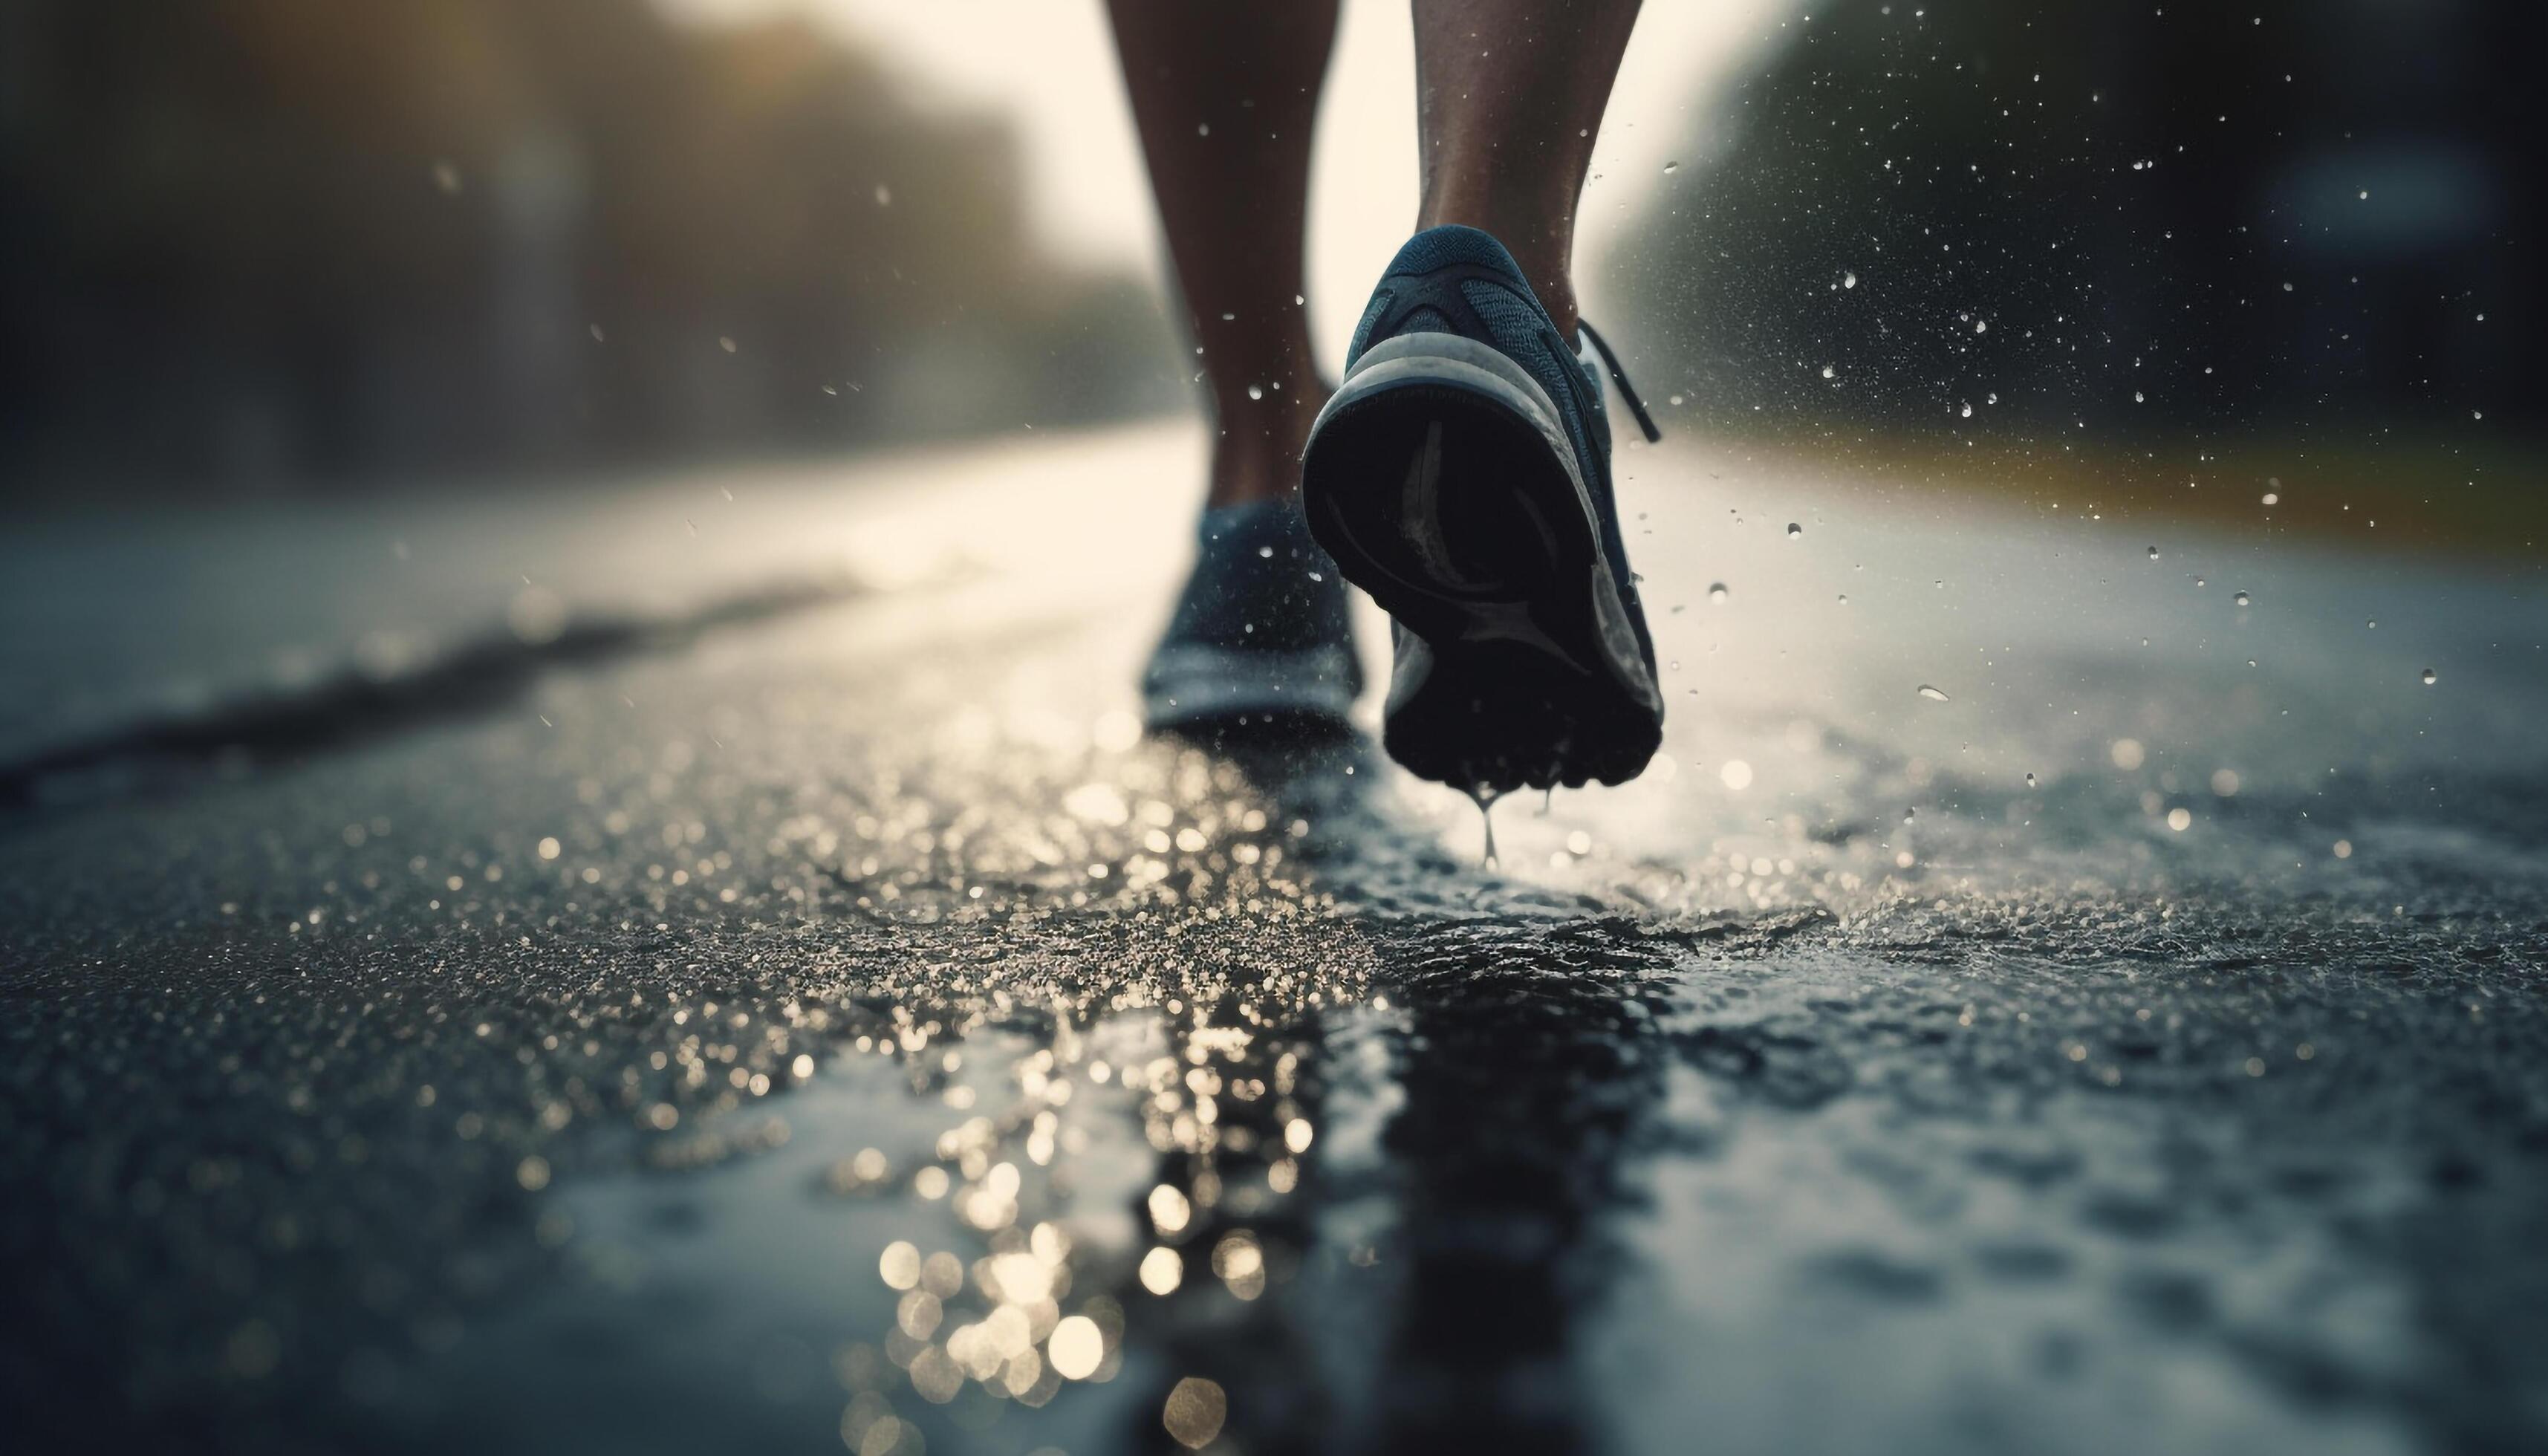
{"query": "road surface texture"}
(708, 963)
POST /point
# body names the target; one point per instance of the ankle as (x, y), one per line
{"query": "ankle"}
(1257, 443)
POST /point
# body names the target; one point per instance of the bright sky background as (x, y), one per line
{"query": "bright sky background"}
(1050, 65)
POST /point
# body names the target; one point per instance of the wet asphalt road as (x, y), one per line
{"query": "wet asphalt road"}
(711, 963)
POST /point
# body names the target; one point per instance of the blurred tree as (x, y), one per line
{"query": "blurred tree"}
(2116, 218)
(274, 239)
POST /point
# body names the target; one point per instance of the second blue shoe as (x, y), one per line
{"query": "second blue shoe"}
(1261, 631)
(1461, 475)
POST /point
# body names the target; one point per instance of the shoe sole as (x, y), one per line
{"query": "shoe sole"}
(1527, 668)
(1197, 686)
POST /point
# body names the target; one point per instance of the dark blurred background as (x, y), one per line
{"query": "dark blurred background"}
(257, 244)
(2148, 217)
(287, 245)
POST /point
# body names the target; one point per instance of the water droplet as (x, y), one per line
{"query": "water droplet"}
(883, 196)
(2241, 598)
(1255, 392)
(2371, 625)
(2430, 676)
(1716, 593)
(1910, 814)
(1848, 280)
(1829, 372)
(2140, 398)
(1843, 598)
(2153, 553)
(725, 344)
(1794, 530)
(1670, 167)
(2272, 499)
(1934, 694)
(2029, 781)
(1981, 325)
(1969, 410)
(1484, 798)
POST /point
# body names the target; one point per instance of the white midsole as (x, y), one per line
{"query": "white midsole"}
(1449, 358)
(1193, 680)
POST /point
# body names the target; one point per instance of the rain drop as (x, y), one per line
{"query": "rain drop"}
(1848, 280)
(1794, 530)
(1670, 167)
(1716, 593)
(1829, 372)
(1934, 694)
(1256, 392)
(2429, 674)
(1484, 798)
(2153, 553)
(2241, 598)
(2029, 781)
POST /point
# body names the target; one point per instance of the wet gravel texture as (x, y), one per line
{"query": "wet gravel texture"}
(808, 1028)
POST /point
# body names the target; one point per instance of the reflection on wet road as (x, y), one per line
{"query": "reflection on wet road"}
(845, 1031)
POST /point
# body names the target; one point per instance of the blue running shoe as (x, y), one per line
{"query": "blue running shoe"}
(1261, 632)
(1461, 475)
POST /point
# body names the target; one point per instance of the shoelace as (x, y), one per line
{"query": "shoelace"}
(1619, 376)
